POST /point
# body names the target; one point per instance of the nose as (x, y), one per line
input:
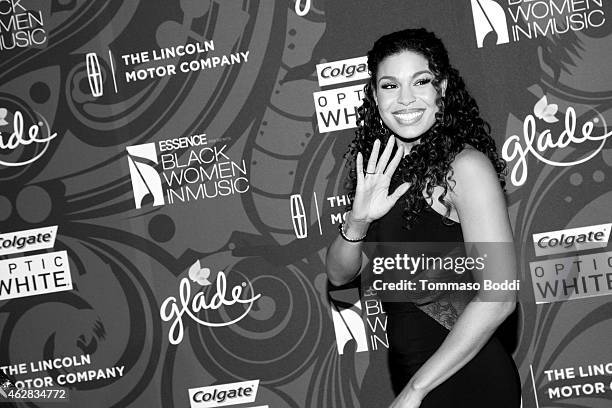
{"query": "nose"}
(405, 96)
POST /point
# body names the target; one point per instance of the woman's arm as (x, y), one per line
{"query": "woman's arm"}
(482, 211)
(344, 259)
(372, 201)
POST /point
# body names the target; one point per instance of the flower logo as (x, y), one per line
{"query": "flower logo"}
(199, 274)
(3, 113)
(546, 112)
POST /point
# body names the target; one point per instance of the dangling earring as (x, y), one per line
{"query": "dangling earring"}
(440, 113)
(384, 131)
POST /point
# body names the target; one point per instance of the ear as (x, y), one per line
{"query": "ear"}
(443, 84)
(375, 96)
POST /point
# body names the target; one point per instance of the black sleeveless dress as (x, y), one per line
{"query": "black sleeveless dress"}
(489, 380)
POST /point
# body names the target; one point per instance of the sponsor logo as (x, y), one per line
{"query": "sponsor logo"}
(571, 240)
(236, 303)
(337, 72)
(94, 74)
(362, 325)
(299, 217)
(537, 142)
(23, 146)
(186, 169)
(519, 20)
(302, 10)
(575, 277)
(158, 63)
(61, 372)
(221, 395)
(183, 67)
(587, 380)
(27, 240)
(489, 17)
(336, 109)
(34, 274)
(146, 182)
(20, 27)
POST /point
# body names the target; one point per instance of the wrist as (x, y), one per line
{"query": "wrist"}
(355, 226)
(418, 387)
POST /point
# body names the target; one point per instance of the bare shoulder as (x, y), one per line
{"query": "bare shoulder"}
(471, 162)
(473, 173)
(479, 198)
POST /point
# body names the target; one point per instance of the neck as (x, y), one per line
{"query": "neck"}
(408, 143)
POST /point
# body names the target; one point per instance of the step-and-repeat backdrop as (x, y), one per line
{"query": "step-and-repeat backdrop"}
(171, 173)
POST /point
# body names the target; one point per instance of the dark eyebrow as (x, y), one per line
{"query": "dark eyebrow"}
(425, 71)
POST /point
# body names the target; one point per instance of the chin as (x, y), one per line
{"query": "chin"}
(411, 136)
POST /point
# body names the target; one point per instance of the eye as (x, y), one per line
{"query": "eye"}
(388, 85)
(422, 81)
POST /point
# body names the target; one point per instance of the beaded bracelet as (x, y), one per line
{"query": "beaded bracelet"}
(343, 234)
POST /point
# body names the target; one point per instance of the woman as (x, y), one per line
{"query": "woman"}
(438, 178)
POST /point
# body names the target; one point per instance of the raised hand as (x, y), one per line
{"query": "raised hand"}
(372, 198)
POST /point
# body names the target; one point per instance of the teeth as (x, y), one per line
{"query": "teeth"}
(408, 116)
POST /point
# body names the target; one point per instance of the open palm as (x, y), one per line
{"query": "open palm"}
(372, 198)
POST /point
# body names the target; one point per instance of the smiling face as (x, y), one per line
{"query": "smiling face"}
(405, 95)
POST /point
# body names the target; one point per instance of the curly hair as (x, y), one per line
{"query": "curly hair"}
(457, 123)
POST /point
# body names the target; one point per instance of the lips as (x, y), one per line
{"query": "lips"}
(408, 117)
